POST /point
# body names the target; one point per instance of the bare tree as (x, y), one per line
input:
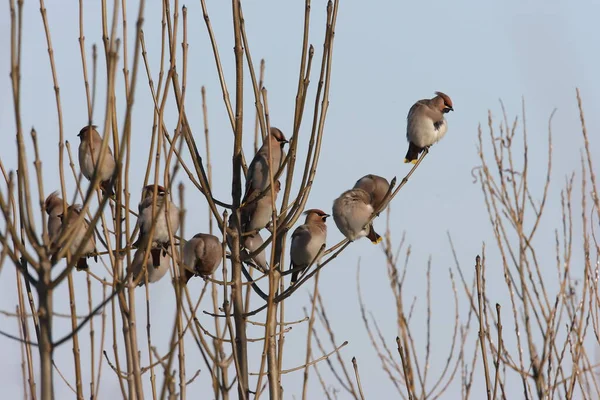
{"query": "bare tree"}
(242, 346)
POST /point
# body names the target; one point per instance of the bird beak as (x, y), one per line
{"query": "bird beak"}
(326, 216)
(450, 109)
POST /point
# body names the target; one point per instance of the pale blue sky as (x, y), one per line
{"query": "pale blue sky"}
(387, 55)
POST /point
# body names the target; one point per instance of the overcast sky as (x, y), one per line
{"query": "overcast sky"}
(387, 55)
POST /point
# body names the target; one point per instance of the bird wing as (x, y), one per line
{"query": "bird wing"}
(300, 231)
(249, 209)
(257, 171)
(411, 119)
(141, 206)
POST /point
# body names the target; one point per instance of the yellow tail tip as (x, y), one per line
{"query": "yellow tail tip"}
(377, 241)
(407, 161)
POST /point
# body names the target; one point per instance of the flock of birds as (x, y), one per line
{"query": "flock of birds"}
(203, 253)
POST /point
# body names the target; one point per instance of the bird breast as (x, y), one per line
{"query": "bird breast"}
(87, 164)
(351, 214)
(423, 132)
(79, 234)
(161, 232)
(54, 224)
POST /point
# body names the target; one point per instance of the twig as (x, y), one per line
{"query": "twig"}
(355, 364)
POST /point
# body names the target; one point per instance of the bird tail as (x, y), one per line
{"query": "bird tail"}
(82, 264)
(247, 195)
(295, 274)
(373, 236)
(107, 188)
(155, 253)
(187, 275)
(412, 155)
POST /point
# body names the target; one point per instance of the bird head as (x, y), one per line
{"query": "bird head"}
(53, 203)
(84, 133)
(148, 190)
(278, 136)
(315, 215)
(443, 102)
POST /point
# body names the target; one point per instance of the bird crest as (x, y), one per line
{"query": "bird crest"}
(446, 98)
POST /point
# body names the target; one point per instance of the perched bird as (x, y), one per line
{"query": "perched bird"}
(154, 273)
(426, 124)
(54, 208)
(307, 241)
(70, 220)
(352, 212)
(202, 254)
(89, 156)
(376, 186)
(258, 171)
(256, 214)
(161, 232)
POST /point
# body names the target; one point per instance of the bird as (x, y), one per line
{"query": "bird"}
(144, 222)
(202, 254)
(257, 213)
(376, 186)
(352, 212)
(154, 273)
(77, 227)
(54, 208)
(89, 156)
(257, 178)
(307, 241)
(426, 125)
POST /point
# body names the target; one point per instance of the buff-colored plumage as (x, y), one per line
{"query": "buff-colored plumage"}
(426, 124)
(376, 186)
(352, 212)
(154, 273)
(202, 254)
(307, 241)
(256, 214)
(161, 233)
(89, 157)
(54, 208)
(76, 227)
